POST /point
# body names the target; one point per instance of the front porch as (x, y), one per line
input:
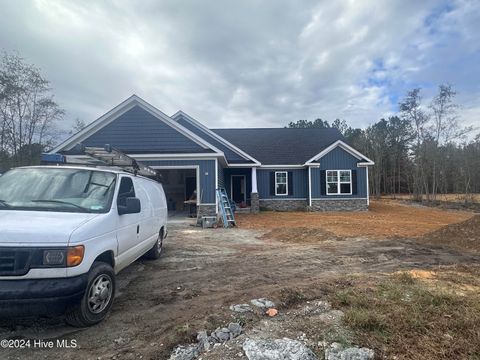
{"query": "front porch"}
(239, 186)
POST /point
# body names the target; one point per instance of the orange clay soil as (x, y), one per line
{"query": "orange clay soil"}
(385, 219)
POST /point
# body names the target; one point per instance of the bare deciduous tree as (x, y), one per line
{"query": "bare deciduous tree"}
(28, 111)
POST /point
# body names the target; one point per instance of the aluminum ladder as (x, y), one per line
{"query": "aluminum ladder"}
(225, 208)
(114, 157)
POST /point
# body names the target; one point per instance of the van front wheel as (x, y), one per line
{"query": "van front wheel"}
(157, 249)
(98, 297)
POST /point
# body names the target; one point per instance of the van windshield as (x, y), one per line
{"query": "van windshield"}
(57, 189)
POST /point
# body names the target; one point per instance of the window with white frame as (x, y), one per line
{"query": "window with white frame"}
(281, 183)
(339, 182)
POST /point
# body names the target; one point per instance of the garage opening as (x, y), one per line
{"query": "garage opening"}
(180, 186)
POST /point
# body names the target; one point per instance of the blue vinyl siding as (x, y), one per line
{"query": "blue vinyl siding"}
(300, 183)
(207, 175)
(230, 155)
(339, 159)
(138, 131)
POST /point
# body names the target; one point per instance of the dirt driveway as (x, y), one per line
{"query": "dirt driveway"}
(162, 303)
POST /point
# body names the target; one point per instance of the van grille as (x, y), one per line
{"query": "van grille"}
(14, 261)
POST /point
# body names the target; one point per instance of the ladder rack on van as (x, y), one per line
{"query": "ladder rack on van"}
(107, 155)
(114, 157)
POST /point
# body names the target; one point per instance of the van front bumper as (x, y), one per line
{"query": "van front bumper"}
(25, 297)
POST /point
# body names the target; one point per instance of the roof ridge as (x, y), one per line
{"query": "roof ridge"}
(273, 128)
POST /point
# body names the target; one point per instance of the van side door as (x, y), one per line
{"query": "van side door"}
(128, 224)
(148, 232)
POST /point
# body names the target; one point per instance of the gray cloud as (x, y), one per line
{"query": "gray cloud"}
(249, 63)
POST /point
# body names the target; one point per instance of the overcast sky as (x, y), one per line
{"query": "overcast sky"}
(249, 63)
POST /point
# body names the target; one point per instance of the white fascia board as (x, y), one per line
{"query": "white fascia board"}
(344, 146)
(153, 157)
(363, 164)
(281, 199)
(175, 156)
(338, 198)
(172, 167)
(120, 109)
(282, 166)
(206, 130)
(243, 165)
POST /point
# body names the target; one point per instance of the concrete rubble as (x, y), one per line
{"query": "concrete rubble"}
(316, 307)
(205, 342)
(338, 352)
(185, 352)
(278, 349)
(262, 303)
(274, 349)
(241, 308)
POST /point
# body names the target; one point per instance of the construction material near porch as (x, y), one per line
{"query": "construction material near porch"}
(226, 208)
(385, 219)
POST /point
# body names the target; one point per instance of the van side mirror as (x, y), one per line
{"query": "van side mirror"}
(132, 206)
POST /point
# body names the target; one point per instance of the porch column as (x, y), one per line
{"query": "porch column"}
(254, 199)
(254, 180)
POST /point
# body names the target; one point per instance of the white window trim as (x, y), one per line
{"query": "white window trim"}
(286, 183)
(338, 183)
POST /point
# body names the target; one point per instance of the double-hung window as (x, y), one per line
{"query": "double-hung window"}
(339, 182)
(281, 183)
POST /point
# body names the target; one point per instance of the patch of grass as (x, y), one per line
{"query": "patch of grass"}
(184, 333)
(244, 319)
(365, 320)
(407, 318)
(291, 297)
(405, 278)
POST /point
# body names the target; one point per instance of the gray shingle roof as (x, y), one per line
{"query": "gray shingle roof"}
(281, 146)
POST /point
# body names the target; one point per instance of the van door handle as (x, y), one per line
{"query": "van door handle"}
(138, 229)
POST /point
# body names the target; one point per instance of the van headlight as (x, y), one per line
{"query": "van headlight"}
(69, 257)
(54, 257)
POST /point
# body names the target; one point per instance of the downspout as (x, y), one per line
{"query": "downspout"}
(309, 186)
(216, 185)
(368, 189)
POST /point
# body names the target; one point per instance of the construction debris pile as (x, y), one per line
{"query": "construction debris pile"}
(261, 343)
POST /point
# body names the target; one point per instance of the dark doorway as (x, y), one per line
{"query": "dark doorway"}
(190, 186)
(238, 189)
(179, 185)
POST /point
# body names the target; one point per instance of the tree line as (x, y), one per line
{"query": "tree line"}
(422, 150)
(28, 113)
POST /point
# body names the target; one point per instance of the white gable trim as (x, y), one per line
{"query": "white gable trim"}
(282, 166)
(122, 108)
(215, 136)
(345, 147)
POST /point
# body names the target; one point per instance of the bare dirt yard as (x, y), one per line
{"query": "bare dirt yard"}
(400, 294)
(385, 219)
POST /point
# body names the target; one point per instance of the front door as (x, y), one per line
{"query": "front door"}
(238, 188)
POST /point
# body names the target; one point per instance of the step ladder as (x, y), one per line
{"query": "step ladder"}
(225, 208)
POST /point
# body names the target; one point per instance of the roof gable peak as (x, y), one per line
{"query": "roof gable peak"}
(212, 134)
(123, 107)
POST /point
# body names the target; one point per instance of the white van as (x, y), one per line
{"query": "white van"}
(65, 232)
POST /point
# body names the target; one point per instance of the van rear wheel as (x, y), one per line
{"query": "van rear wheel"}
(98, 297)
(157, 248)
